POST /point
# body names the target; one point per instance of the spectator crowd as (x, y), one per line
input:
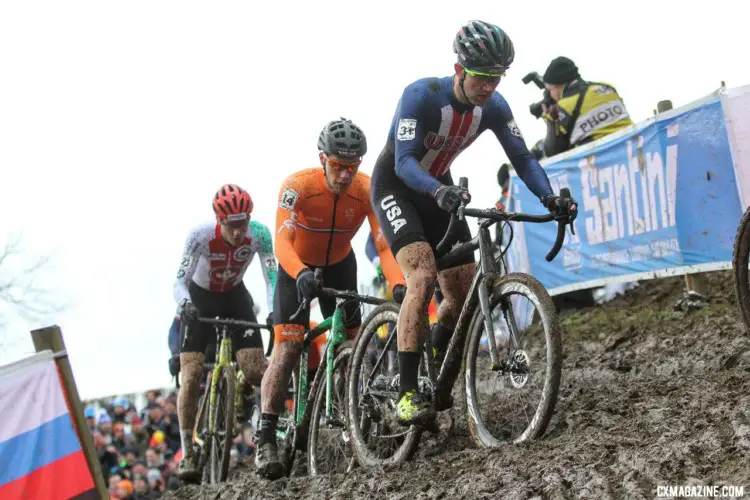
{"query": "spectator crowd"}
(139, 450)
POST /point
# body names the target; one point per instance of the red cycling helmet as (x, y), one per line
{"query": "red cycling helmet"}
(232, 203)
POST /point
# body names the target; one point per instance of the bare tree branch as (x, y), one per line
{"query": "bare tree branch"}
(20, 295)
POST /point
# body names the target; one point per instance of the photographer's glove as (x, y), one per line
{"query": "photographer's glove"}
(562, 208)
(449, 198)
(550, 113)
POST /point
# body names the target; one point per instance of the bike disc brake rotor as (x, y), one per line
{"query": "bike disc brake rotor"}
(520, 364)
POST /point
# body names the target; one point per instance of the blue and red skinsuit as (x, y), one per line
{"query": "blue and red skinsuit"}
(431, 128)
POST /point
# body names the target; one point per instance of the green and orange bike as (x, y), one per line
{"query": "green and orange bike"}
(317, 422)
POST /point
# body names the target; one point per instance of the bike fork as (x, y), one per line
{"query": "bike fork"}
(484, 303)
(337, 337)
(239, 394)
(489, 269)
(508, 316)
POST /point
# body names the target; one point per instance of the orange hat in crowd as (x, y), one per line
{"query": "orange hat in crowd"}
(126, 485)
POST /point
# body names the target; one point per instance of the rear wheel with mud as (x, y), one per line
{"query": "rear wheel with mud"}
(740, 258)
(372, 392)
(514, 399)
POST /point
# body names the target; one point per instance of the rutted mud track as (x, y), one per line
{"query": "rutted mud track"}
(649, 397)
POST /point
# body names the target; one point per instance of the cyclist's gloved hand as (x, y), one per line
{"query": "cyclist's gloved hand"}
(174, 365)
(561, 208)
(449, 198)
(306, 285)
(399, 292)
(189, 312)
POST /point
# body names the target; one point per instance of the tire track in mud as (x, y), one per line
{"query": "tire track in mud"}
(649, 397)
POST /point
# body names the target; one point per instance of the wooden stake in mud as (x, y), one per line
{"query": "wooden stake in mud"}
(693, 282)
(50, 338)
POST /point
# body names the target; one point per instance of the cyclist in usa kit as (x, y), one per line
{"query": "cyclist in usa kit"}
(319, 212)
(209, 283)
(413, 194)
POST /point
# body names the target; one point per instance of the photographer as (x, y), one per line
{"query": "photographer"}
(577, 111)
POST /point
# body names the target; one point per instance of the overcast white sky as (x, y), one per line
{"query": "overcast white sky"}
(119, 120)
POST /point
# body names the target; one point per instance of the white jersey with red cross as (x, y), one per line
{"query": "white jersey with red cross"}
(212, 264)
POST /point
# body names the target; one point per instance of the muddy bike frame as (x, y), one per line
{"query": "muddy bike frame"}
(487, 271)
(223, 360)
(334, 323)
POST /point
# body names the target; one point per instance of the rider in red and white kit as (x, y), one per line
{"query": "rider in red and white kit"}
(209, 283)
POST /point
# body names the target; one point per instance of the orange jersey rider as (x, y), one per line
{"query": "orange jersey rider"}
(319, 212)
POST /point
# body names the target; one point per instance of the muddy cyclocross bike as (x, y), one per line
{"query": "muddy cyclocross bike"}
(223, 396)
(525, 364)
(740, 258)
(317, 422)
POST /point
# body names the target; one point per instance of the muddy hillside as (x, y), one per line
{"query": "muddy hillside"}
(650, 397)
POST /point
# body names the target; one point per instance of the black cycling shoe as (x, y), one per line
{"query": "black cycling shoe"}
(267, 461)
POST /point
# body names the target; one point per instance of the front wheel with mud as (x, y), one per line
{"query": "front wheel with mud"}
(329, 449)
(513, 400)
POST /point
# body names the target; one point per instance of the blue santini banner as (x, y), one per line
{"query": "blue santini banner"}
(661, 199)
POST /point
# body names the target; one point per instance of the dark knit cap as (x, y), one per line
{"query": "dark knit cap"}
(561, 70)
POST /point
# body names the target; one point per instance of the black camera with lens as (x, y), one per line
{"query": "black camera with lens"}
(536, 108)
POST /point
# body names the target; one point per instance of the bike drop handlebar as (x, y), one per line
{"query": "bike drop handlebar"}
(228, 322)
(497, 215)
(332, 292)
(233, 322)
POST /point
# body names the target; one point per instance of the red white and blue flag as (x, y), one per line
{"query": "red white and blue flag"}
(40, 453)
